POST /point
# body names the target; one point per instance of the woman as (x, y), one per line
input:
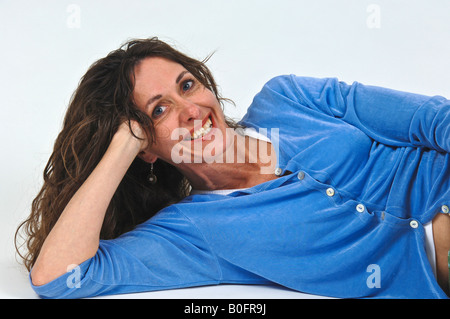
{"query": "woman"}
(331, 193)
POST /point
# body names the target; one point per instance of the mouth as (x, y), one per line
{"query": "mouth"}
(204, 130)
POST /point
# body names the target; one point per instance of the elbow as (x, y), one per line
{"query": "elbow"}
(38, 282)
(41, 275)
(39, 278)
(46, 269)
(51, 285)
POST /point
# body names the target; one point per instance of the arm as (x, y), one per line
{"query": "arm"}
(388, 116)
(166, 251)
(75, 236)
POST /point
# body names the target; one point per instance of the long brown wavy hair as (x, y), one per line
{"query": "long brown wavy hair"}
(102, 101)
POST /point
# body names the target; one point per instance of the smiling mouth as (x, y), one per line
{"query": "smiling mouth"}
(205, 129)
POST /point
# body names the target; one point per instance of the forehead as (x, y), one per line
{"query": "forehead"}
(156, 66)
(153, 76)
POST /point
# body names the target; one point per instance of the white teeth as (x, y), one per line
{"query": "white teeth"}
(203, 130)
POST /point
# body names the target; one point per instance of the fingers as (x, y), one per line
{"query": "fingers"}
(132, 130)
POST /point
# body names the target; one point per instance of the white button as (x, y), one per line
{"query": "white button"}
(278, 171)
(301, 175)
(360, 208)
(445, 209)
(330, 192)
(414, 224)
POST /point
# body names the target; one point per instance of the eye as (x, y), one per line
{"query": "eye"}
(187, 85)
(158, 111)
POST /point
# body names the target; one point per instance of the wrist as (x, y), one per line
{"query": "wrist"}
(131, 134)
(126, 144)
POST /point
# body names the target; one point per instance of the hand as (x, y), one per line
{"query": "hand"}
(75, 236)
(124, 135)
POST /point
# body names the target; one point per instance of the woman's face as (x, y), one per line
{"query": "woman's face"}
(188, 119)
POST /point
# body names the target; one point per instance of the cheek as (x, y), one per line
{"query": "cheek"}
(163, 143)
(208, 98)
(215, 105)
(162, 133)
(165, 126)
(166, 137)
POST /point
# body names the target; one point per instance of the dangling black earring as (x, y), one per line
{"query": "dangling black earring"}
(152, 177)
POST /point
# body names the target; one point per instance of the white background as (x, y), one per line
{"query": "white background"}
(47, 45)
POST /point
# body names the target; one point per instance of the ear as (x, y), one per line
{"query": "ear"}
(147, 156)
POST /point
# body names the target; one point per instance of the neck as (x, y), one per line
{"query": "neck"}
(253, 163)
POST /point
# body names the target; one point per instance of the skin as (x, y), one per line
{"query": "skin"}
(75, 236)
(186, 104)
(441, 234)
(177, 102)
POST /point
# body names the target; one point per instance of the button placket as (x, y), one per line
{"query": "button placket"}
(330, 192)
(360, 208)
(311, 182)
(414, 224)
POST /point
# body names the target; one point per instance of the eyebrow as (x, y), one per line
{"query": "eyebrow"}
(157, 97)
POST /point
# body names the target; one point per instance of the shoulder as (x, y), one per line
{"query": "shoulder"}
(169, 217)
(278, 84)
(279, 94)
(182, 216)
(295, 88)
(279, 80)
(171, 228)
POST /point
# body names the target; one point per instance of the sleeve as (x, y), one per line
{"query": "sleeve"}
(163, 253)
(388, 116)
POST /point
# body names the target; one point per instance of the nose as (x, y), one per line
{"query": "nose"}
(189, 111)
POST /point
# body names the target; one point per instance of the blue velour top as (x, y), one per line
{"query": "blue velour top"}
(362, 169)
